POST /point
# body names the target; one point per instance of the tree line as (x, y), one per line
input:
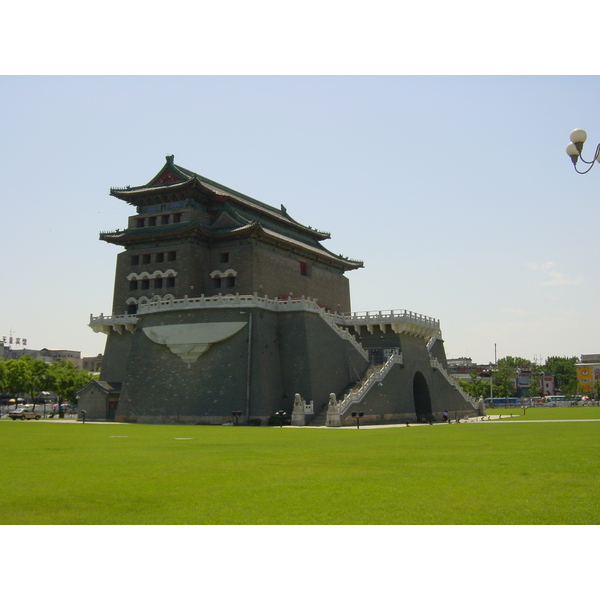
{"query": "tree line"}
(27, 376)
(507, 370)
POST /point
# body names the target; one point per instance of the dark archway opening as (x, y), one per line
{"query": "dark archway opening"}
(421, 398)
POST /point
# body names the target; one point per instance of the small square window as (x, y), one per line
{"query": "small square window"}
(158, 283)
(145, 284)
(160, 257)
(164, 220)
(170, 282)
(217, 282)
(146, 259)
(152, 222)
(133, 285)
(177, 218)
(230, 282)
(172, 255)
(140, 223)
(135, 259)
(224, 257)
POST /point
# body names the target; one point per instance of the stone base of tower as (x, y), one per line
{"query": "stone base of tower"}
(199, 364)
(199, 361)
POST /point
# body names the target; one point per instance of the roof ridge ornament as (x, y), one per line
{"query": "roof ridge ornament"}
(170, 159)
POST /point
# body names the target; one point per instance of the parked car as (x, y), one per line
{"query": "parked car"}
(23, 414)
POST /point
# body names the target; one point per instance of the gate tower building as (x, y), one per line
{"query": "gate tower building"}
(225, 304)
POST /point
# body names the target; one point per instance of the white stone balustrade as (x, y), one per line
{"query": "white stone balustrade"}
(432, 340)
(231, 301)
(400, 321)
(105, 324)
(435, 364)
(118, 323)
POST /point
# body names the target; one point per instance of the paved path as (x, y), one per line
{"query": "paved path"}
(71, 421)
(480, 420)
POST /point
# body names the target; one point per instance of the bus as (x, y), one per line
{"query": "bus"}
(504, 401)
(555, 399)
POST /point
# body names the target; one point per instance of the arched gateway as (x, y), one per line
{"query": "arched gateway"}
(421, 397)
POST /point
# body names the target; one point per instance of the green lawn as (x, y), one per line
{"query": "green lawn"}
(489, 473)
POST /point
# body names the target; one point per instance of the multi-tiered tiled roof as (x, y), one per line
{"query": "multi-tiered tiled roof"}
(230, 214)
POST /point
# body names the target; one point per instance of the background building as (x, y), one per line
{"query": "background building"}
(86, 363)
(588, 374)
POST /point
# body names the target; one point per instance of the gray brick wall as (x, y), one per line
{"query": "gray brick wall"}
(290, 353)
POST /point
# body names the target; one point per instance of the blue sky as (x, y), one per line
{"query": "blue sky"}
(455, 191)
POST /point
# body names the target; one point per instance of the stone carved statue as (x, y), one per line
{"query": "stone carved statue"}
(299, 412)
(333, 412)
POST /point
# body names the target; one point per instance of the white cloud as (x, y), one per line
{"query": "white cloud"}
(519, 312)
(555, 277)
(545, 267)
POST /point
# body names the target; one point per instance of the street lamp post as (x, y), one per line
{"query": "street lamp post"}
(358, 415)
(280, 414)
(574, 148)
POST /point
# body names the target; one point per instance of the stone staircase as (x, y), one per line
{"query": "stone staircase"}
(320, 418)
(354, 388)
(371, 377)
(353, 394)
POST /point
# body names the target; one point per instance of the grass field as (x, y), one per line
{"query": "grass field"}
(489, 473)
